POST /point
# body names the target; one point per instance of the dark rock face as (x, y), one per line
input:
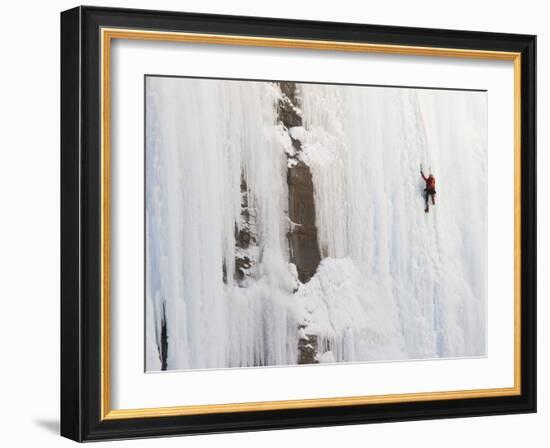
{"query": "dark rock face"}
(242, 266)
(288, 113)
(302, 236)
(304, 249)
(307, 350)
(245, 239)
(163, 343)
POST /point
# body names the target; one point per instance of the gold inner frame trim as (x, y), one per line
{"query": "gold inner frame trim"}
(107, 35)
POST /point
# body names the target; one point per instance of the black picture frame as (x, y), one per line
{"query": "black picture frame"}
(81, 224)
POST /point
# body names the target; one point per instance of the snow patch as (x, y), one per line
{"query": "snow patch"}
(325, 358)
(297, 133)
(348, 314)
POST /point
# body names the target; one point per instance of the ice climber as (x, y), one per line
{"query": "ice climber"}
(429, 190)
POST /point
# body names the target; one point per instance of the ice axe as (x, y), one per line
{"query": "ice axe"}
(429, 169)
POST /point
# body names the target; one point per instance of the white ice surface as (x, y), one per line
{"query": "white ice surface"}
(396, 284)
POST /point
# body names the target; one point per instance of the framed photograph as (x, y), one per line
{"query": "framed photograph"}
(274, 223)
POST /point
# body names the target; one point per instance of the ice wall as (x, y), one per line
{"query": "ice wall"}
(394, 282)
(202, 137)
(424, 273)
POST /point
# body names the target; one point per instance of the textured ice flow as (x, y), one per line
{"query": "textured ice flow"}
(395, 283)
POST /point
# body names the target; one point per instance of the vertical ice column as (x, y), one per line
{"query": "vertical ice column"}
(216, 180)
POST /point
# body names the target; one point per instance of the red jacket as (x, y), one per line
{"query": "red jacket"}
(430, 181)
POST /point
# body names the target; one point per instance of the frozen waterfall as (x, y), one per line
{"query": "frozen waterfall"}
(393, 281)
